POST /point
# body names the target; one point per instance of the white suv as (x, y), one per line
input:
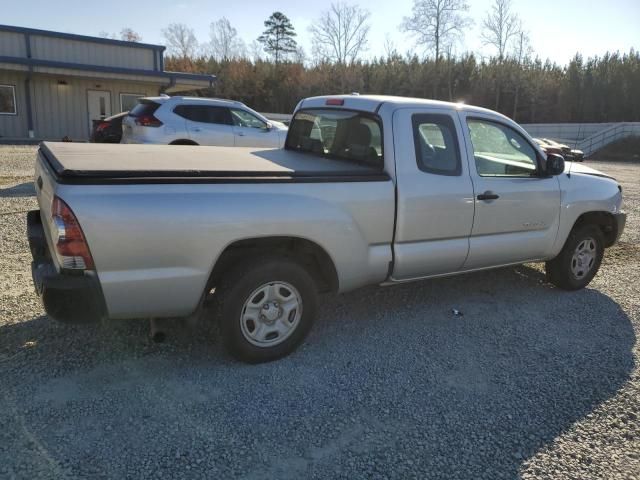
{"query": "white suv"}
(200, 121)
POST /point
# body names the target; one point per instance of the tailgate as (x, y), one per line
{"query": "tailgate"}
(45, 186)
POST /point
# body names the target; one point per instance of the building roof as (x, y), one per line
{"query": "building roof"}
(75, 55)
(82, 38)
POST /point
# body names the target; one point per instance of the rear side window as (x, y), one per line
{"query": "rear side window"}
(204, 114)
(338, 134)
(436, 144)
(144, 108)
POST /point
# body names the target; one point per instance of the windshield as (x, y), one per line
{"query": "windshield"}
(341, 134)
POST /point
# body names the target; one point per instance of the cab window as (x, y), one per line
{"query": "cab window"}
(500, 151)
(436, 144)
(338, 134)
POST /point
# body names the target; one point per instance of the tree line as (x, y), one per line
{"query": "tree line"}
(272, 73)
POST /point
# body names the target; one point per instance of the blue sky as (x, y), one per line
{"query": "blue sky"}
(558, 28)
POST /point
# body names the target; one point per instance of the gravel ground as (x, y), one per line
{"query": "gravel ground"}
(530, 382)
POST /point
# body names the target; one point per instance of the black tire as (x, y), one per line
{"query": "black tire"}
(560, 270)
(237, 287)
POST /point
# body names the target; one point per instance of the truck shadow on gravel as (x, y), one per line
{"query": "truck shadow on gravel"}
(389, 383)
(21, 190)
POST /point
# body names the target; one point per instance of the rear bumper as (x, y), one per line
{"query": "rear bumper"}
(67, 297)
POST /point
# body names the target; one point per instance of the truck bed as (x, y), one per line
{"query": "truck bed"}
(108, 163)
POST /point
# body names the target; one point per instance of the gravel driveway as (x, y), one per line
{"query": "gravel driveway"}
(530, 382)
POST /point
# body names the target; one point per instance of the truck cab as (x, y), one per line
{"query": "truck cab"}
(473, 189)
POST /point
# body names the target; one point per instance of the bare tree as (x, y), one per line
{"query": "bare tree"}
(340, 34)
(500, 27)
(522, 55)
(437, 24)
(181, 41)
(523, 47)
(225, 43)
(130, 35)
(390, 47)
(300, 56)
(255, 51)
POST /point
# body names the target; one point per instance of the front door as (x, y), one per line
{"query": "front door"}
(250, 131)
(516, 210)
(99, 106)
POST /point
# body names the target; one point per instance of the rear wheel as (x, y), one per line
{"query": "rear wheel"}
(579, 260)
(266, 309)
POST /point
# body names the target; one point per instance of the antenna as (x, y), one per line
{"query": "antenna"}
(581, 113)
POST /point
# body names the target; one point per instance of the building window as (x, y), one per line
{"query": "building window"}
(8, 100)
(129, 100)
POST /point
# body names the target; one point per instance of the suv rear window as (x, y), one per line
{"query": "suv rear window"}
(143, 108)
(340, 134)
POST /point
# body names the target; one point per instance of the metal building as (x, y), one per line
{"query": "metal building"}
(53, 85)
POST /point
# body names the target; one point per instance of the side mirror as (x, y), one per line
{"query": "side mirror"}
(554, 164)
(269, 126)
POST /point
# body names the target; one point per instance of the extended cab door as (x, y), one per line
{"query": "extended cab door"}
(207, 124)
(516, 209)
(434, 193)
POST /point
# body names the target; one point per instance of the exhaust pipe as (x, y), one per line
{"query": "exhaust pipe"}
(156, 332)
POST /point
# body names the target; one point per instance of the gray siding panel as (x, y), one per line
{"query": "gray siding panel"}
(61, 110)
(15, 126)
(12, 44)
(88, 53)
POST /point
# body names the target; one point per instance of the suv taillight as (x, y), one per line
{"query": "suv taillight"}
(147, 121)
(71, 246)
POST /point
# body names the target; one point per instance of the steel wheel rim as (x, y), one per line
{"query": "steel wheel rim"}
(584, 258)
(271, 313)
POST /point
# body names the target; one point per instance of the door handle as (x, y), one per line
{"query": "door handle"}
(240, 134)
(196, 130)
(488, 195)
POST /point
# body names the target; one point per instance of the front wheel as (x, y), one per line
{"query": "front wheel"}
(579, 260)
(267, 309)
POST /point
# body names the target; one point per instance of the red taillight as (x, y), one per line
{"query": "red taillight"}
(71, 246)
(148, 121)
(102, 126)
(335, 101)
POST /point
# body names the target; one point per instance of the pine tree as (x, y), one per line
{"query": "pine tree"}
(278, 37)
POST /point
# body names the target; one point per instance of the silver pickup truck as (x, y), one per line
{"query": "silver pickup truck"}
(368, 190)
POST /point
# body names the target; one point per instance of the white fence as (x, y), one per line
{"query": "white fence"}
(278, 117)
(567, 132)
(588, 137)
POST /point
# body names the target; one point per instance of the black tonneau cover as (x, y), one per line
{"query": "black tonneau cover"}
(108, 163)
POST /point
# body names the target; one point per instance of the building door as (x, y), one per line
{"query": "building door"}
(99, 106)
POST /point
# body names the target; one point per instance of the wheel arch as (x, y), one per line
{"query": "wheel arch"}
(603, 220)
(308, 253)
(183, 141)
